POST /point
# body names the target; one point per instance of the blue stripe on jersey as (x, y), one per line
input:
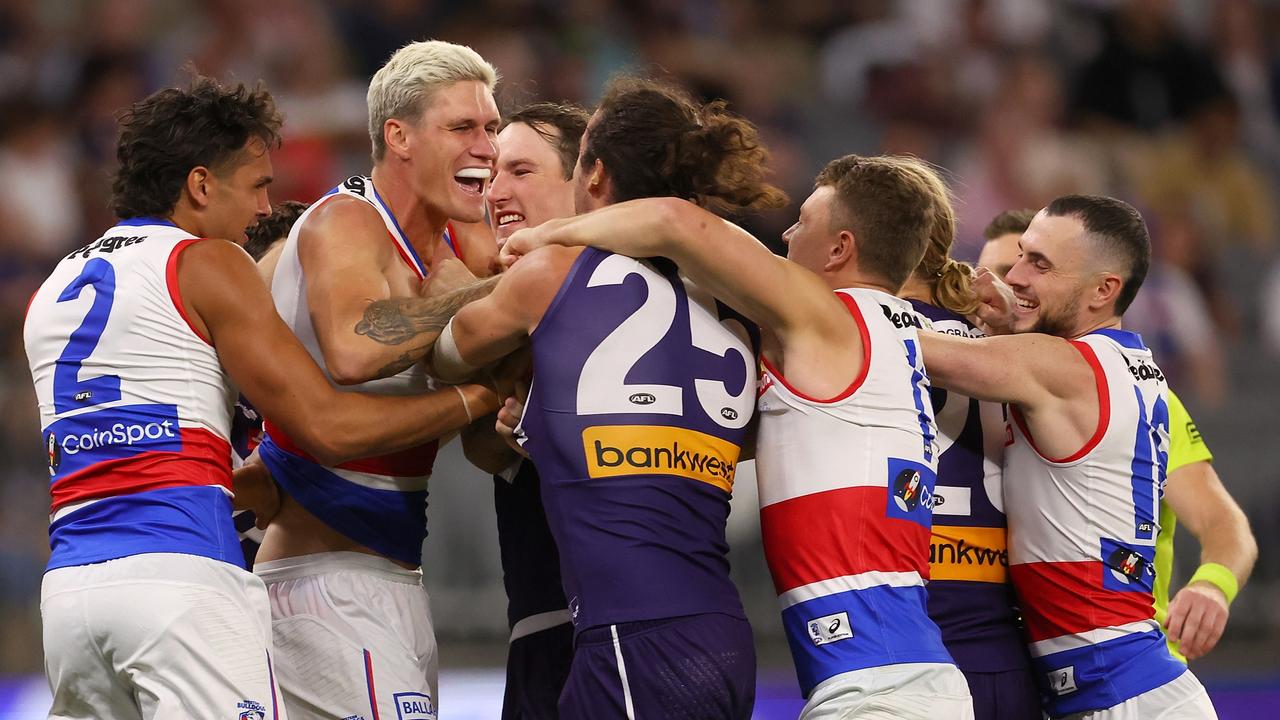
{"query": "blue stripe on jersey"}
(827, 637)
(917, 380)
(1125, 338)
(404, 239)
(1149, 463)
(186, 520)
(144, 222)
(114, 433)
(390, 522)
(1099, 676)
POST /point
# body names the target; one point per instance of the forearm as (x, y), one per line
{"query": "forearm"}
(1228, 542)
(361, 425)
(395, 333)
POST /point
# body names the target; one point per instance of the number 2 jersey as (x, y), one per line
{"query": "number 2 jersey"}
(642, 391)
(135, 408)
(846, 491)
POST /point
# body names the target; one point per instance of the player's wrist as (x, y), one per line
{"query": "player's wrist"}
(1218, 576)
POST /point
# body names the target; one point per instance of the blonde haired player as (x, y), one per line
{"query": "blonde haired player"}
(341, 559)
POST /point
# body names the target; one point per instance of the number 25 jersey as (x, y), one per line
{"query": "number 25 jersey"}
(643, 389)
(135, 408)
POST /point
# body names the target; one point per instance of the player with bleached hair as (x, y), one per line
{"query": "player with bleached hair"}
(342, 557)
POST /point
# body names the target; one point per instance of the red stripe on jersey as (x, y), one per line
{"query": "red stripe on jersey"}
(865, 334)
(175, 292)
(414, 462)
(454, 245)
(205, 460)
(1065, 598)
(839, 532)
(408, 260)
(1104, 409)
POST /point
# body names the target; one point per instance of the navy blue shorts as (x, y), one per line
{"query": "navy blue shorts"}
(697, 667)
(1009, 695)
(537, 666)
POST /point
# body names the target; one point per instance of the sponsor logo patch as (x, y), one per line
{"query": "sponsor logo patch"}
(414, 706)
(1063, 680)
(976, 554)
(615, 450)
(1128, 567)
(911, 491)
(830, 628)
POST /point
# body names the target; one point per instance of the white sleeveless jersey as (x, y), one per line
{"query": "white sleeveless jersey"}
(1082, 534)
(846, 495)
(379, 502)
(134, 405)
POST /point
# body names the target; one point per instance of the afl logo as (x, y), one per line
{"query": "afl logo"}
(906, 490)
(728, 413)
(55, 453)
(643, 399)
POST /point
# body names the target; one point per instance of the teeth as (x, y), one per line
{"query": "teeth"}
(1026, 304)
(474, 173)
(509, 218)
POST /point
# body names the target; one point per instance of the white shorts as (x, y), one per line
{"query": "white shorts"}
(351, 631)
(158, 635)
(1183, 698)
(909, 691)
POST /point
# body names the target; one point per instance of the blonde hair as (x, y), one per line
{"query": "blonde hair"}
(405, 86)
(950, 280)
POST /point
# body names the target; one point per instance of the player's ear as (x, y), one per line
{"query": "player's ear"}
(843, 250)
(198, 185)
(396, 138)
(598, 183)
(1105, 290)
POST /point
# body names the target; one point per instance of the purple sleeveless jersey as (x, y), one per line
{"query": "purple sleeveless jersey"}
(643, 388)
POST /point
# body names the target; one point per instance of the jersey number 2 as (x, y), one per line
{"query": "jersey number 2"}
(69, 392)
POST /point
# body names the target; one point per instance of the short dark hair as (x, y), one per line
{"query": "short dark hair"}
(569, 122)
(171, 131)
(889, 204)
(1009, 222)
(1119, 230)
(273, 228)
(654, 140)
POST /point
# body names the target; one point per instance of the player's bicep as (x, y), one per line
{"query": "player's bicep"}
(343, 257)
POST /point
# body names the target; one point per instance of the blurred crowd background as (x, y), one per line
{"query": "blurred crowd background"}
(1170, 104)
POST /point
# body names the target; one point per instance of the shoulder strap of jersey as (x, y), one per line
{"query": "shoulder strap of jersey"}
(361, 186)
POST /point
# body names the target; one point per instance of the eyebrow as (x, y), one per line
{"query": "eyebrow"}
(264, 181)
(1035, 256)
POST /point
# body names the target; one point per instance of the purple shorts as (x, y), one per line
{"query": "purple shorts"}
(1008, 695)
(696, 667)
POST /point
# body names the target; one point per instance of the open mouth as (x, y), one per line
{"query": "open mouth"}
(1027, 305)
(509, 218)
(472, 180)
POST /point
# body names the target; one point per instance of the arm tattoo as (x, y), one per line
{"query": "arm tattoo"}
(398, 320)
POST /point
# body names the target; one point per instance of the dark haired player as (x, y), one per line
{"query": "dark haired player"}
(642, 392)
(533, 183)
(134, 342)
(1086, 464)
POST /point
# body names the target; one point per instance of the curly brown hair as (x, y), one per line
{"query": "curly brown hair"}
(171, 131)
(656, 141)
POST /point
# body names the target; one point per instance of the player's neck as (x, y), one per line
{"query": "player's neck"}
(854, 279)
(420, 226)
(188, 220)
(1104, 323)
